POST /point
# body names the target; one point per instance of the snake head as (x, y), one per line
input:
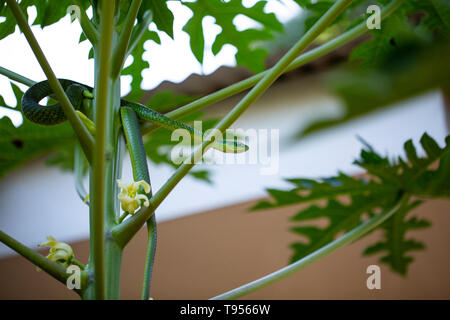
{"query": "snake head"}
(88, 95)
(75, 92)
(234, 146)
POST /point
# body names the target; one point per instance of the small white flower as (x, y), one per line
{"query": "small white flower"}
(59, 252)
(129, 197)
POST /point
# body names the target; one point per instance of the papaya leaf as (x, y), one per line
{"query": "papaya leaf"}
(224, 13)
(413, 175)
(437, 15)
(162, 16)
(398, 31)
(29, 141)
(8, 26)
(345, 202)
(342, 218)
(139, 64)
(395, 243)
(407, 72)
(398, 61)
(314, 9)
(395, 32)
(48, 13)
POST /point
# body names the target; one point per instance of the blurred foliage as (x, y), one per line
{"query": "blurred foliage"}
(402, 59)
(163, 18)
(345, 201)
(407, 73)
(29, 140)
(314, 9)
(48, 13)
(248, 54)
(311, 11)
(224, 13)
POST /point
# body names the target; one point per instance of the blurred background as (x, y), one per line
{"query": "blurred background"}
(209, 242)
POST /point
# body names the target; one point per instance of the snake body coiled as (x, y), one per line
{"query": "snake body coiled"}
(51, 114)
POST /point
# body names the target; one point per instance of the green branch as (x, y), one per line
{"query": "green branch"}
(126, 230)
(150, 258)
(120, 51)
(88, 27)
(305, 58)
(139, 31)
(347, 238)
(17, 77)
(102, 108)
(79, 170)
(57, 271)
(78, 263)
(83, 135)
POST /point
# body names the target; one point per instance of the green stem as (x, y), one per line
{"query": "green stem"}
(16, 77)
(103, 107)
(78, 263)
(79, 170)
(120, 51)
(57, 271)
(122, 217)
(139, 31)
(347, 238)
(305, 58)
(133, 136)
(126, 230)
(88, 27)
(149, 260)
(446, 95)
(83, 135)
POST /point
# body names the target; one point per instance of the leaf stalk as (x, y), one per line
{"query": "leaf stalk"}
(347, 238)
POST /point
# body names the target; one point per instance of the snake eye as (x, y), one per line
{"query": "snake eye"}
(238, 147)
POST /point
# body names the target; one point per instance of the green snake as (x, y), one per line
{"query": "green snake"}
(130, 113)
(76, 92)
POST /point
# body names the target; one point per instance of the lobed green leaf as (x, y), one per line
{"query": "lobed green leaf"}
(345, 202)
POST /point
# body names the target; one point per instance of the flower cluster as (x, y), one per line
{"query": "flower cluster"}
(129, 197)
(60, 252)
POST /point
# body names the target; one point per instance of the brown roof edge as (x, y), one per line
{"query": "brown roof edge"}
(200, 85)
